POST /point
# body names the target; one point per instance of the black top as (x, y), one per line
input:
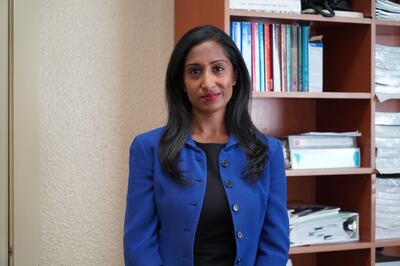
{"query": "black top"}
(214, 244)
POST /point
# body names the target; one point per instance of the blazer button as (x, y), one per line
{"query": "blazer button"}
(224, 163)
(229, 183)
(239, 234)
(238, 261)
(235, 207)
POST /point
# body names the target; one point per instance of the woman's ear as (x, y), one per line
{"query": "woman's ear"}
(235, 77)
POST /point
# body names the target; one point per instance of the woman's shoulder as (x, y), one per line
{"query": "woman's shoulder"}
(271, 142)
(149, 138)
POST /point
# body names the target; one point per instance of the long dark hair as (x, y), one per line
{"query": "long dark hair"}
(237, 117)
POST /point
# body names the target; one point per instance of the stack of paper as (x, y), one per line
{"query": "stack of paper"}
(387, 142)
(386, 9)
(324, 150)
(387, 72)
(319, 224)
(388, 206)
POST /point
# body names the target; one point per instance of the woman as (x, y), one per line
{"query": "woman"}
(208, 188)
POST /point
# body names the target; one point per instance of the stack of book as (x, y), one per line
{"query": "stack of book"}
(387, 72)
(319, 224)
(324, 150)
(387, 142)
(387, 206)
(278, 55)
(386, 9)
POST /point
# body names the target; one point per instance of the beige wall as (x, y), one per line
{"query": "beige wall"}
(102, 67)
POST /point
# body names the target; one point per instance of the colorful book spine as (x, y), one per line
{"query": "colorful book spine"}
(276, 55)
(289, 57)
(246, 45)
(306, 37)
(294, 49)
(236, 34)
(283, 58)
(299, 59)
(254, 56)
(268, 57)
(261, 57)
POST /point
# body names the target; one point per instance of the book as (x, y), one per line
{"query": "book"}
(294, 49)
(288, 57)
(315, 64)
(318, 141)
(302, 212)
(268, 57)
(333, 228)
(261, 56)
(325, 158)
(236, 34)
(276, 55)
(305, 38)
(255, 63)
(283, 58)
(246, 45)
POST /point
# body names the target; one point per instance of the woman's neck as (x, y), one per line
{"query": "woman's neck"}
(209, 128)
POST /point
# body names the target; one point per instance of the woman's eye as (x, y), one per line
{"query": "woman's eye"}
(193, 71)
(218, 69)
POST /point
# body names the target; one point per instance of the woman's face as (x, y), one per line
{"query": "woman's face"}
(208, 78)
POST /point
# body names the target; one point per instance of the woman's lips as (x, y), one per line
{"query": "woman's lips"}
(211, 96)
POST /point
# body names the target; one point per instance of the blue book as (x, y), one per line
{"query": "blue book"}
(300, 58)
(305, 37)
(236, 34)
(261, 56)
(246, 45)
(289, 57)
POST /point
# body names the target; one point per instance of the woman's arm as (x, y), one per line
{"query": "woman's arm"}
(273, 246)
(140, 229)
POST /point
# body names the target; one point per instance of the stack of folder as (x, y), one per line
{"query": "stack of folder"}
(387, 206)
(324, 150)
(387, 142)
(320, 224)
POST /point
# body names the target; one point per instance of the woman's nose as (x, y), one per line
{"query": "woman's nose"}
(208, 81)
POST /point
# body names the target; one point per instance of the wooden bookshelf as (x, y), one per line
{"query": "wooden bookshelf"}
(348, 103)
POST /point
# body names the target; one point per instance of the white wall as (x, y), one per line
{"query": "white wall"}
(102, 66)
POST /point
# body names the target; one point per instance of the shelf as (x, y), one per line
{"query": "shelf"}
(387, 22)
(297, 17)
(314, 95)
(387, 243)
(331, 171)
(330, 247)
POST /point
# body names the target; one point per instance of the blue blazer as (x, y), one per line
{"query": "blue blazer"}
(161, 216)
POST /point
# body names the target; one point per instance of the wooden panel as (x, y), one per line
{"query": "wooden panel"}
(313, 95)
(328, 171)
(301, 189)
(345, 258)
(348, 115)
(361, 257)
(388, 35)
(347, 57)
(281, 117)
(290, 18)
(392, 251)
(388, 106)
(330, 247)
(189, 14)
(362, 6)
(351, 193)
